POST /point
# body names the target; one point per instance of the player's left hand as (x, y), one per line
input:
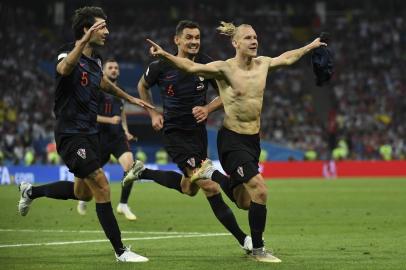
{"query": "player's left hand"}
(317, 43)
(140, 102)
(131, 137)
(200, 113)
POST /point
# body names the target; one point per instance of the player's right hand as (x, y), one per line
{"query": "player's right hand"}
(95, 27)
(115, 120)
(317, 43)
(155, 49)
(157, 121)
(200, 113)
(131, 137)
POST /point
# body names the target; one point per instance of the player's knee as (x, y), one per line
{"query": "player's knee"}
(188, 188)
(102, 189)
(95, 175)
(259, 190)
(83, 195)
(127, 167)
(244, 205)
(127, 163)
(209, 188)
(86, 198)
(105, 189)
(261, 193)
(190, 192)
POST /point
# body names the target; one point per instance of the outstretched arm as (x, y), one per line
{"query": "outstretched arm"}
(290, 57)
(209, 71)
(107, 86)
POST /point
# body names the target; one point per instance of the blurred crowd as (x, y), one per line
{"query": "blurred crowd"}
(366, 104)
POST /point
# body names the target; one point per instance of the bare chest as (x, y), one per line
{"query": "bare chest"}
(248, 83)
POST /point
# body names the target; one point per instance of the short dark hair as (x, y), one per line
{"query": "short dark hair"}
(85, 17)
(110, 60)
(186, 24)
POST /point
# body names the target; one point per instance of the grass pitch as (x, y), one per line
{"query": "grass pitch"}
(312, 224)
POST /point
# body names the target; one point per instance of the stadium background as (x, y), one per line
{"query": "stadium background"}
(358, 223)
(364, 105)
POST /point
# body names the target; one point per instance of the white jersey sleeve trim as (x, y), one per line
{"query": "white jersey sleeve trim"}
(62, 55)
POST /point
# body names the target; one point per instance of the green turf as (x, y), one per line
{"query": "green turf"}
(312, 224)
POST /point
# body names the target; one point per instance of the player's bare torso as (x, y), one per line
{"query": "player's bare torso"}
(242, 91)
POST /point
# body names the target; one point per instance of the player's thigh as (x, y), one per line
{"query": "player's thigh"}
(99, 185)
(257, 189)
(187, 148)
(82, 190)
(80, 153)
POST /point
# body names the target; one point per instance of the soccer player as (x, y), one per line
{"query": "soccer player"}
(79, 77)
(114, 137)
(241, 82)
(185, 140)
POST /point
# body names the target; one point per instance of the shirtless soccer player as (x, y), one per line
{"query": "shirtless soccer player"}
(241, 82)
(185, 138)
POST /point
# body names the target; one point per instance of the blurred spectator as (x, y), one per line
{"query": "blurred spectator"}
(263, 155)
(385, 151)
(161, 157)
(52, 154)
(141, 155)
(29, 157)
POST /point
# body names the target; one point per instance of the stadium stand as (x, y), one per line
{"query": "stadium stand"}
(364, 104)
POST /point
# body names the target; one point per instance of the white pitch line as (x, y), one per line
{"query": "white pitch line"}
(93, 231)
(106, 240)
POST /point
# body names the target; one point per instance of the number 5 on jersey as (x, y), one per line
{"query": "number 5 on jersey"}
(84, 80)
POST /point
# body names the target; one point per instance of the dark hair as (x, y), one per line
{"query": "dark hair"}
(110, 60)
(85, 17)
(186, 24)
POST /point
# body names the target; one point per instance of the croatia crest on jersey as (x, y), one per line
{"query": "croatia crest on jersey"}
(191, 162)
(81, 153)
(99, 63)
(240, 171)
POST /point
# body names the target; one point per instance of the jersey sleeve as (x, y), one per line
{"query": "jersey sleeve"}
(61, 56)
(152, 73)
(62, 52)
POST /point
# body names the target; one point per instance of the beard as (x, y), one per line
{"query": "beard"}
(113, 80)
